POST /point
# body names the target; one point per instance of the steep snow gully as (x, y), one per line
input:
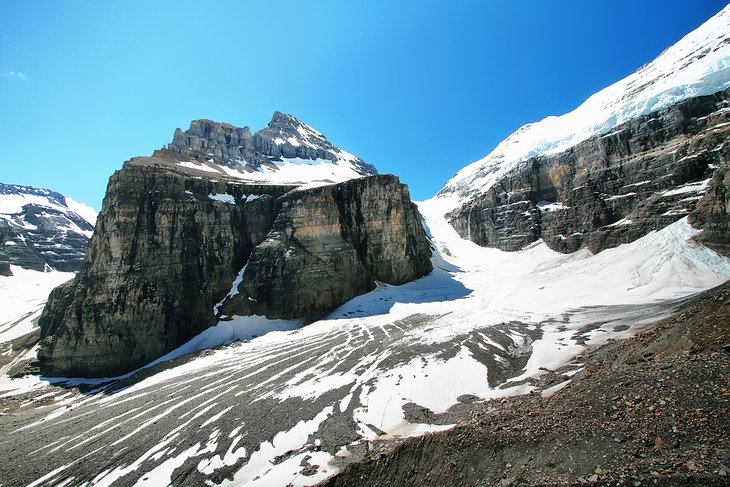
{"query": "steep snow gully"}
(294, 405)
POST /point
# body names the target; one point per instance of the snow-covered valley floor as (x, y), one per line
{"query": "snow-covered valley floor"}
(292, 405)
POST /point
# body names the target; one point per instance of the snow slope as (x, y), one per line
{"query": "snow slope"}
(271, 401)
(305, 173)
(699, 64)
(22, 297)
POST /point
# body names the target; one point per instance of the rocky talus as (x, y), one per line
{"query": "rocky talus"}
(172, 239)
(614, 188)
(648, 410)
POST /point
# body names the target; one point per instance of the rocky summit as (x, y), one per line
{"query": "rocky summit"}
(41, 230)
(220, 223)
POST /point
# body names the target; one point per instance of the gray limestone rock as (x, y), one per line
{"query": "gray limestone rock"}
(712, 213)
(284, 136)
(330, 244)
(610, 189)
(163, 254)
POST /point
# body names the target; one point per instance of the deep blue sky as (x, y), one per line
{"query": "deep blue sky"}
(417, 88)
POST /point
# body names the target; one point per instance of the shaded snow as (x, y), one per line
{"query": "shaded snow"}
(223, 198)
(198, 166)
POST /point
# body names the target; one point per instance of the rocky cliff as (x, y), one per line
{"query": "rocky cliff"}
(632, 158)
(40, 230)
(712, 213)
(609, 189)
(285, 138)
(330, 244)
(176, 230)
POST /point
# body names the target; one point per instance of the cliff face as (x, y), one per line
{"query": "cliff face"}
(712, 213)
(330, 244)
(165, 250)
(172, 237)
(611, 189)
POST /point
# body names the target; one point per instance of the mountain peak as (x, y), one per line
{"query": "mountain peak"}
(699, 64)
(286, 151)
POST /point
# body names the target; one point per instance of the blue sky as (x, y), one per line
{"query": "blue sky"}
(417, 88)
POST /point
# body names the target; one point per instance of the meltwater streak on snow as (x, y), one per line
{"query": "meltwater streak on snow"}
(483, 315)
(699, 64)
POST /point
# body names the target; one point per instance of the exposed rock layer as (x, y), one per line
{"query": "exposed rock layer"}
(283, 137)
(712, 213)
(169, 244)
(163, 254)
(610, 189)
(330, 244)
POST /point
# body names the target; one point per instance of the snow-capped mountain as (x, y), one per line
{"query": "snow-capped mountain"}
(699, 64)
(195, 240)
(286, 152)
(41, 229)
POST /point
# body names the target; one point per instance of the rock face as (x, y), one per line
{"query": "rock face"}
(39, 231)
(172, 238)
(330, 244)
(284, 137)
(712, 213)
(613, 188)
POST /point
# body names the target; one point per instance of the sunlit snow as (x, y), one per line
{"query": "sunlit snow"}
(699, 64)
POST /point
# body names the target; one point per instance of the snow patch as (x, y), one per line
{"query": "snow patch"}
(223, 198)
(198, 166)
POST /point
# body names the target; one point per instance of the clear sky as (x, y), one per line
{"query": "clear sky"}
(417, 88)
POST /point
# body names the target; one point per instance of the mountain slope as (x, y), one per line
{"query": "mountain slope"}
(635, 157)
(296, 405)
(286, 152)
(697, 65)
(41, 229)
(652, 408)
(221, 224)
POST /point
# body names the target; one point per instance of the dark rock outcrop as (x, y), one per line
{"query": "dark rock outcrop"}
(611, 189)
(163, 254)
(170, 242)
(712, 213)
(330, 244)
(42, 234)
